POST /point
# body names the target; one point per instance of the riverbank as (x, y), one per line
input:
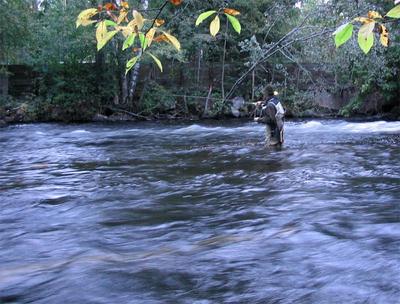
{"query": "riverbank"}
(117, 118)
(13, 111)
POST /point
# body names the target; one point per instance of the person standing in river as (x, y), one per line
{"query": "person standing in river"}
(271, 113)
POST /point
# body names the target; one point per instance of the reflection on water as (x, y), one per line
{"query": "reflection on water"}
(159, 213)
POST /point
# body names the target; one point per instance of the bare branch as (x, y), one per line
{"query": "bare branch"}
(158, 15)
(275, 48)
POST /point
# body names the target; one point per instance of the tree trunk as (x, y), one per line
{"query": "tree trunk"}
(134, 75)
(122, 80)
(133, 80)
(4, 81)
(99, 61)
(35, 5)
(223, 64)
(199, 66)
(124, 87)
(99, 70)
(253, 80)
(205, 113)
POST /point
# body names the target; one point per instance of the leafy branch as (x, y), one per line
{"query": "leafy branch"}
(129, 28)
(373, 22)
(117, 17)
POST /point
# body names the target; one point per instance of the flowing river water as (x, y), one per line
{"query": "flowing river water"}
(200, 213)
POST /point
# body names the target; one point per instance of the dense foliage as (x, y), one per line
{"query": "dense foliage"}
(75, 80)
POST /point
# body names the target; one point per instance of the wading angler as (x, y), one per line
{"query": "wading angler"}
(271, 112)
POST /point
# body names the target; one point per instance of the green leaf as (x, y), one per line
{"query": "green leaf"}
(129, 41)
(130, 64)
(343, 33)
(235, 23)
(110, 23)
(143, 41)
(366, 37)
(204, 16)
(157, 61)
(366, 43)
(394, 12)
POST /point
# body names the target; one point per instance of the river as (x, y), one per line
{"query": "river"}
(200, 213)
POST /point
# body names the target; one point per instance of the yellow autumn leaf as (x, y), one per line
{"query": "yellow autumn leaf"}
(374, 15)
(105, 39)
(101, 31)
(159, 22)
(139, 19)
(102, 35)
(150, 36)
(175, 42)
(367, 29)
(384, 36)
(87, 22)
(133, 26)
(128, 29)
(124, 29)
(125, 4)
(215, 25)
(85, 15)
(364, 20)
(122, 16)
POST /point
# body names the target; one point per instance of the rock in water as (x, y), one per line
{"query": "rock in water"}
(235, 112)
(237, 104)
(100, 118)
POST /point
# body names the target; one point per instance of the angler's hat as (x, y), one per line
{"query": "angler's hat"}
(269, 90)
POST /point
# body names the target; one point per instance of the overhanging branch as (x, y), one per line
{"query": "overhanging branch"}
(275, 48)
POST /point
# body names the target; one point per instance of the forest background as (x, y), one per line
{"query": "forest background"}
(51, 70)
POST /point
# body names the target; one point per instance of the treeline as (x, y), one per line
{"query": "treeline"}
(285, 43)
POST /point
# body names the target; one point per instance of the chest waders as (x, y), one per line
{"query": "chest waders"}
(272, 114)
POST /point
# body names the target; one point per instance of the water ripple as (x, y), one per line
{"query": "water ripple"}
(203, 213)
